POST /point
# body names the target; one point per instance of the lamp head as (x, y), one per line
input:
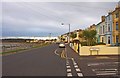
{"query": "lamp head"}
(62, 23)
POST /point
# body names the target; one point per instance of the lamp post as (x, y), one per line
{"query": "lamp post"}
(68, 33)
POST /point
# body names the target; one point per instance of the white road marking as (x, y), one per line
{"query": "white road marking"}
(56, 52)
(68, 70)
(105, 71)
(78, 70)
(68, 66)
(111, 69)
(75, 63)
(106, 74)
(69, 74)
(67, 62)
(104, 63)
(76, 66)
(80, 74)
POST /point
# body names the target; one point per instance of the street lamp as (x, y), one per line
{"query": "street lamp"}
(69, 32)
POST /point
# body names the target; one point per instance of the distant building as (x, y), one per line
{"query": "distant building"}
(92, 27)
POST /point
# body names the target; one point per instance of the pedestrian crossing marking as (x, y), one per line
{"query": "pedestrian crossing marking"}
(80, 74)
(68, 70)
(69, 74)
(78, 70)
(75, 63)
(76, 66)
(68, 66)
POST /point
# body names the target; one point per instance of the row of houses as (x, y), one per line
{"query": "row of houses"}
(108, 29)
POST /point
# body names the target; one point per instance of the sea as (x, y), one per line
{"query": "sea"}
(38, 38)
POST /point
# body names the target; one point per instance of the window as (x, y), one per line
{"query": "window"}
(116, 25)
(103, 29)
(100, 30)
(108, 27)
(108, 40)
(109, 17)
(117, 38)
(117, 15)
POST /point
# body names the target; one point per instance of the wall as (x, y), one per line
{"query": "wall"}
(104, 50)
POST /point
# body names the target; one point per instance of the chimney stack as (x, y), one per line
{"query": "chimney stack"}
(103, 18)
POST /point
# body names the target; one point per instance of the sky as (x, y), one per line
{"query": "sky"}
(43, 18)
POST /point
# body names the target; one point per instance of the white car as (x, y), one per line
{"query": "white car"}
(62, 45)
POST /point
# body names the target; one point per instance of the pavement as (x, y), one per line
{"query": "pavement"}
(54, 61)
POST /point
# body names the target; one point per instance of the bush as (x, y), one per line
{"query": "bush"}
(86, 44)
(83, 43)
(100, 43)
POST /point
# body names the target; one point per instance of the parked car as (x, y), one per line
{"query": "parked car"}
(61, 45)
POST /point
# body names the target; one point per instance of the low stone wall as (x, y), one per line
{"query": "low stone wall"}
(103, 50)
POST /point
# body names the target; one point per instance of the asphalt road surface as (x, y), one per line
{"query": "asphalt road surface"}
(54, 61)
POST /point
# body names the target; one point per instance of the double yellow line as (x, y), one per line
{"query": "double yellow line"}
(63, 55)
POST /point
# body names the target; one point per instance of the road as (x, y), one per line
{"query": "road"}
(54, 61)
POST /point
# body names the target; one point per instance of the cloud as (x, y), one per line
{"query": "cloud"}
(41, 18)
(60, 0)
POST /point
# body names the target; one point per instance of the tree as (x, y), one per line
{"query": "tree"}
(93, 36)
(90, 36)
(73, 35)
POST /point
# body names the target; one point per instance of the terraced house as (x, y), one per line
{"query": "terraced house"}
(100, 28)
(116, 25)
(108, 30)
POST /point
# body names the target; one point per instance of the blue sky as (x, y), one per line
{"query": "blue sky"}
(42, 18)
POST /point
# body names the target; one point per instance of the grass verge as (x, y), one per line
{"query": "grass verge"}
(18, 50)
